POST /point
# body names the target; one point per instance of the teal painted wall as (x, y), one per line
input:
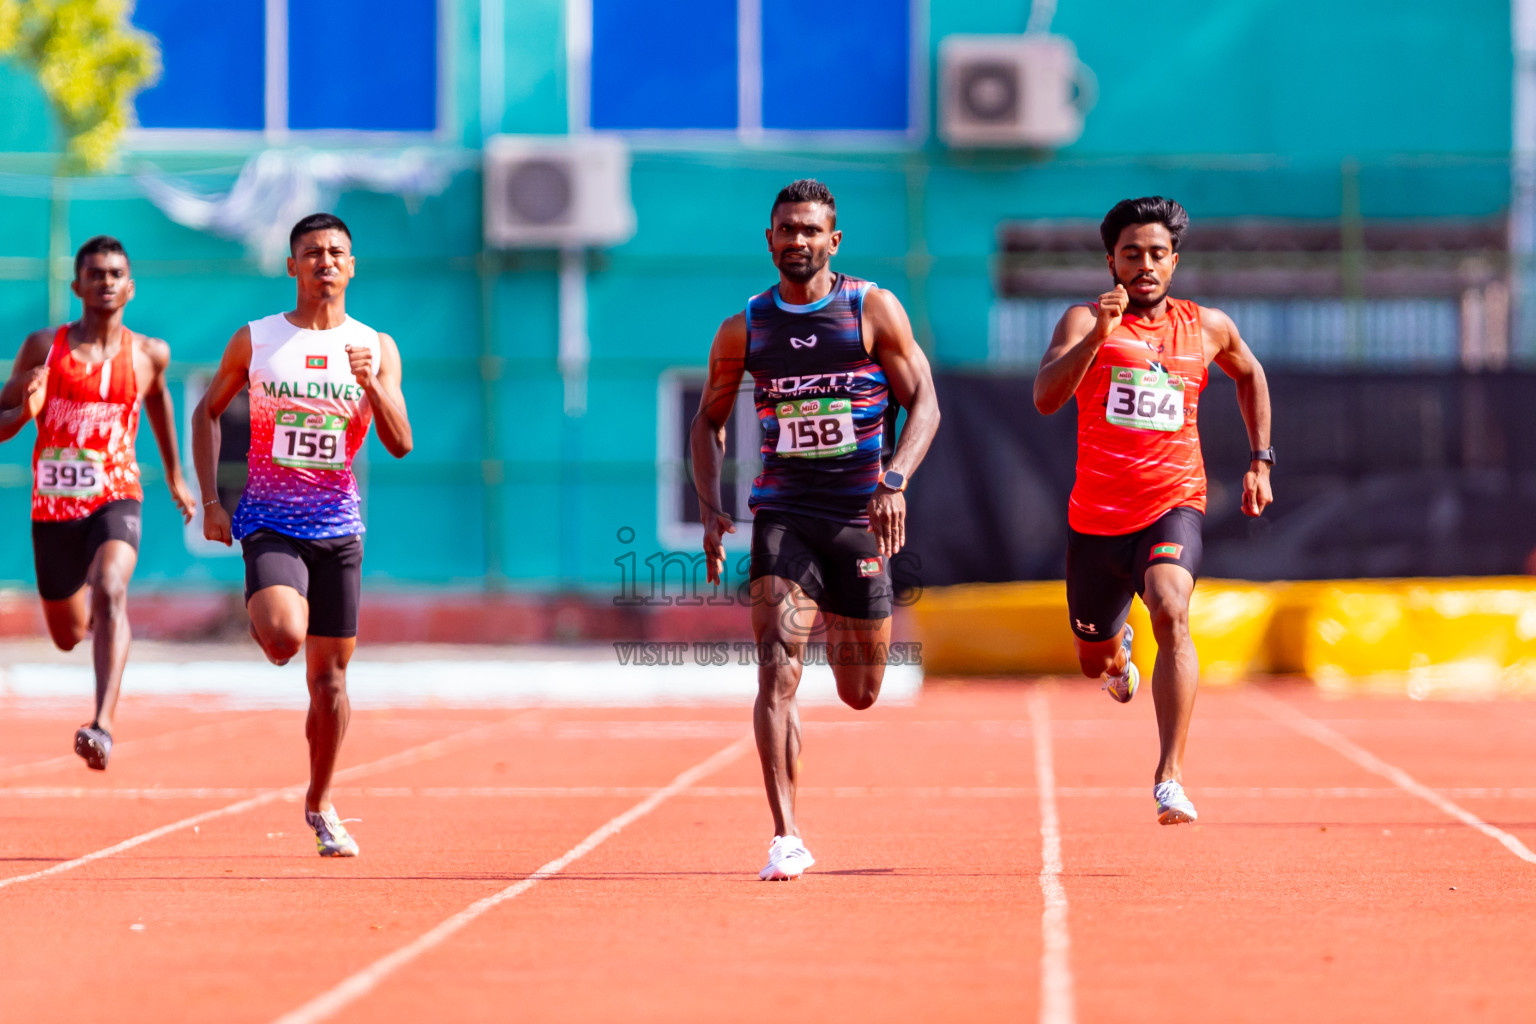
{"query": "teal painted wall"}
(1233, 107)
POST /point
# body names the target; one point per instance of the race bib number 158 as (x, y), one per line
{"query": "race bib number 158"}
(1145, 399)
(816, 428)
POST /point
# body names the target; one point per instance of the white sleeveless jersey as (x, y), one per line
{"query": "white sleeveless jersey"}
(308, 419)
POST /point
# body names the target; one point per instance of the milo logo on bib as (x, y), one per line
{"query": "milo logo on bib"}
(1145, 399)
(816, 428)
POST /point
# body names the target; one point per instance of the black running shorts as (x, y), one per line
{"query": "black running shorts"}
(63, 551)
(327, 571)
(1104, 572)
(837, 565)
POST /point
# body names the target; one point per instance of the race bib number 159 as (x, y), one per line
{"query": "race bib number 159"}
(309, 440)
(816, 428)
(1145, 399)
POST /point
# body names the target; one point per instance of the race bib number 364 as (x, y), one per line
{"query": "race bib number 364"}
(816, 428)
(1145, 399)
(309, 440)
(70, 472)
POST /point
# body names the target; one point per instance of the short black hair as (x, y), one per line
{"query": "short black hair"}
(92, 246)
(805, 190)
(316, 222)
(1146, 210)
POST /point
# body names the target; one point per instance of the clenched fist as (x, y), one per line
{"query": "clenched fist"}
(1111, 309)
(361, 360)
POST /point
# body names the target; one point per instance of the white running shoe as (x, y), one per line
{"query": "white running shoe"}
(1173, 807)
(331, 836)
(787, 860)
(1123, 686)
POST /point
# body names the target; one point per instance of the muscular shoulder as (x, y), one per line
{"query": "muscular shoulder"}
(38, 343)
(156, 350)
(1216, 324)
(731, 336)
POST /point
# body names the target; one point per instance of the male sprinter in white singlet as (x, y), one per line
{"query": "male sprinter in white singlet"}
(317, 378)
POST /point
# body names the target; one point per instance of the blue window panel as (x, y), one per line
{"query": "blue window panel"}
(365, 65)
(669, 65)
(213, 60)
(836, 66)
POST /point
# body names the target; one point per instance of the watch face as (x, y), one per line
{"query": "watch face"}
(894, 480)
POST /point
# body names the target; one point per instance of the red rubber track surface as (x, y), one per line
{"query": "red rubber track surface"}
(1311, 889)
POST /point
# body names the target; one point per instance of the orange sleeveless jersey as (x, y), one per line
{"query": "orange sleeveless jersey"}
(1132, 471)
(84, 454)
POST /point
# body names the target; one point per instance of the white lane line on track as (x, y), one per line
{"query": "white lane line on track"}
(366, 980)
(1057, 1003)
(160, 741)
(1280, 711)
(411, 756)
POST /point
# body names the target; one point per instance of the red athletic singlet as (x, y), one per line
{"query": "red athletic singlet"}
(84, 453)
(1138, 446)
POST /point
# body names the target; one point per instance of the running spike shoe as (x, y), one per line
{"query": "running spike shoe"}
(95, 745)
(331, 836)
(787, 860)
(1123, 686)
(1173, 807)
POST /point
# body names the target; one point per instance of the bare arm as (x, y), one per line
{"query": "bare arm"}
(22, 397)
(706, 437)
(382, 386)
(162, 420)
(232, 375)
(1237, 361)
(1075, 344)
(911, 381)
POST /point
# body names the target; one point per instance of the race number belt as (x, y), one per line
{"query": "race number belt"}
(1145, 399)
(816, 428)
(70, 472)
(309, 440)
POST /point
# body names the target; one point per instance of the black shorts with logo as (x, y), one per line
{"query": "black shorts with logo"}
(837, 565)
(1104, 572)
(328, 572)
(63, 551)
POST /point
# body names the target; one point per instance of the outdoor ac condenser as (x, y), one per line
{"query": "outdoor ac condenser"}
(1022, 90)
(556, 192)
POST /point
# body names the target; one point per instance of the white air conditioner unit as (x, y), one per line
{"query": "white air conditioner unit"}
(555, 192)
(1026, 90)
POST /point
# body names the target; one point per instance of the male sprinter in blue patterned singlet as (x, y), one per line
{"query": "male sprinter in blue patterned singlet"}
(827, 352)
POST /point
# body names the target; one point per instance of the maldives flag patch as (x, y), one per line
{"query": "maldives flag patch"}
(314, 362)
(869, 567)
(1167, 550)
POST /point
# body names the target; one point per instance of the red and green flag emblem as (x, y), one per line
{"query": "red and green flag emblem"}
(1167, 550)
(314, 362)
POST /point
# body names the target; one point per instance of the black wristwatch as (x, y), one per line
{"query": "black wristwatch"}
(1262, 455)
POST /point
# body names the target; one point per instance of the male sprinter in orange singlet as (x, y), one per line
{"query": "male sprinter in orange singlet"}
(317, 379)
(1136, 362)
(84, 383)
(827, 353)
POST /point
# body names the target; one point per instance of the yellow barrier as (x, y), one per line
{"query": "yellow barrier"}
(1428, 636)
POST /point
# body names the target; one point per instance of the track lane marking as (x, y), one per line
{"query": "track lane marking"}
(1336, 741)
(1057, 1003)
(366, 980)
(413, 755)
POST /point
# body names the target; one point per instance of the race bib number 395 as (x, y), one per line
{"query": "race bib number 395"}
(1145, 399)
(309, 440)
(816, 428)
(70, 472)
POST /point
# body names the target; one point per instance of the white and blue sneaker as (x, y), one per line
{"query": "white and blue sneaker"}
(1123, 686)
(331, 836)
(1173, 807)
(787, 860)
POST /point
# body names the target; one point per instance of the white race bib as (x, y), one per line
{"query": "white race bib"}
(309, 440)
(1145, 399)
(816, 428)
(70, 472)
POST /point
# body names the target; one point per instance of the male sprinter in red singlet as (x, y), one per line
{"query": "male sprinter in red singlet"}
(1136, 362)
(84, 383)
(827, 352)
(317, 378)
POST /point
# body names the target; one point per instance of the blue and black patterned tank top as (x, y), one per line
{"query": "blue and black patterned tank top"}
(821, 401)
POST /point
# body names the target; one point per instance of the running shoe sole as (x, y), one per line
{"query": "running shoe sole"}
(1174, 816)
(90, 748)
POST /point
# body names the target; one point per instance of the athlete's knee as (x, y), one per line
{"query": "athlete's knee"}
(280, 643)
(66, 636)
(109, 594)
(1170, 617)
(328, 685)
(858, 686)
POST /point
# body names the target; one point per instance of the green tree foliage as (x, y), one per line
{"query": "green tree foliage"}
(90, 62)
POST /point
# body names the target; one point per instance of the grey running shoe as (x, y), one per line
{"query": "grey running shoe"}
(1173, 807)
(331, 836)
(95, 745)
(1123, 686)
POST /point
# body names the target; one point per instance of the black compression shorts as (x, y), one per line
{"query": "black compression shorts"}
(328, 572)
(1104, 572)
(837, 565)
(63, 551)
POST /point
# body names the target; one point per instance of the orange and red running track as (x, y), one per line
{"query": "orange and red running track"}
(1356, 860)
